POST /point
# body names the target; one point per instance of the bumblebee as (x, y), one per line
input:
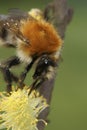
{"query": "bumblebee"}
(36, 42)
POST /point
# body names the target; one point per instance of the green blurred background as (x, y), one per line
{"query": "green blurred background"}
(69, 100)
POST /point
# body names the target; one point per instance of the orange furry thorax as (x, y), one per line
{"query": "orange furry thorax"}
(42, 37)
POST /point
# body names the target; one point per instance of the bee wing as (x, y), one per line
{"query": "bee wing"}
(9, 27)
(17, 14)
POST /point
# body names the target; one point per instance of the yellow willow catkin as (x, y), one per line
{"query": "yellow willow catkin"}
(20, 111)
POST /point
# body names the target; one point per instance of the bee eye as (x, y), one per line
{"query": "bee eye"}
(46, 61)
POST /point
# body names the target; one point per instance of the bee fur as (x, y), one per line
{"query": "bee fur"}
(36, 41)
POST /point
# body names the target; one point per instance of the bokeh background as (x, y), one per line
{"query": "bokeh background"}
(69, 100)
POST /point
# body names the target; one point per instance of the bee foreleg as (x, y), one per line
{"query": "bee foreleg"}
(8, 75)
(37, 83)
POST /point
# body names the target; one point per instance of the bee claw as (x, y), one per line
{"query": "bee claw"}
(31, 89)
(20, 85)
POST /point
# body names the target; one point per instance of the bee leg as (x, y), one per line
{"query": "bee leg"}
(7, 78)
(5, 69)
(37, 83)
(24, 73)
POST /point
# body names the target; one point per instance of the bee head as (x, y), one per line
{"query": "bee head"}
(42, 66)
